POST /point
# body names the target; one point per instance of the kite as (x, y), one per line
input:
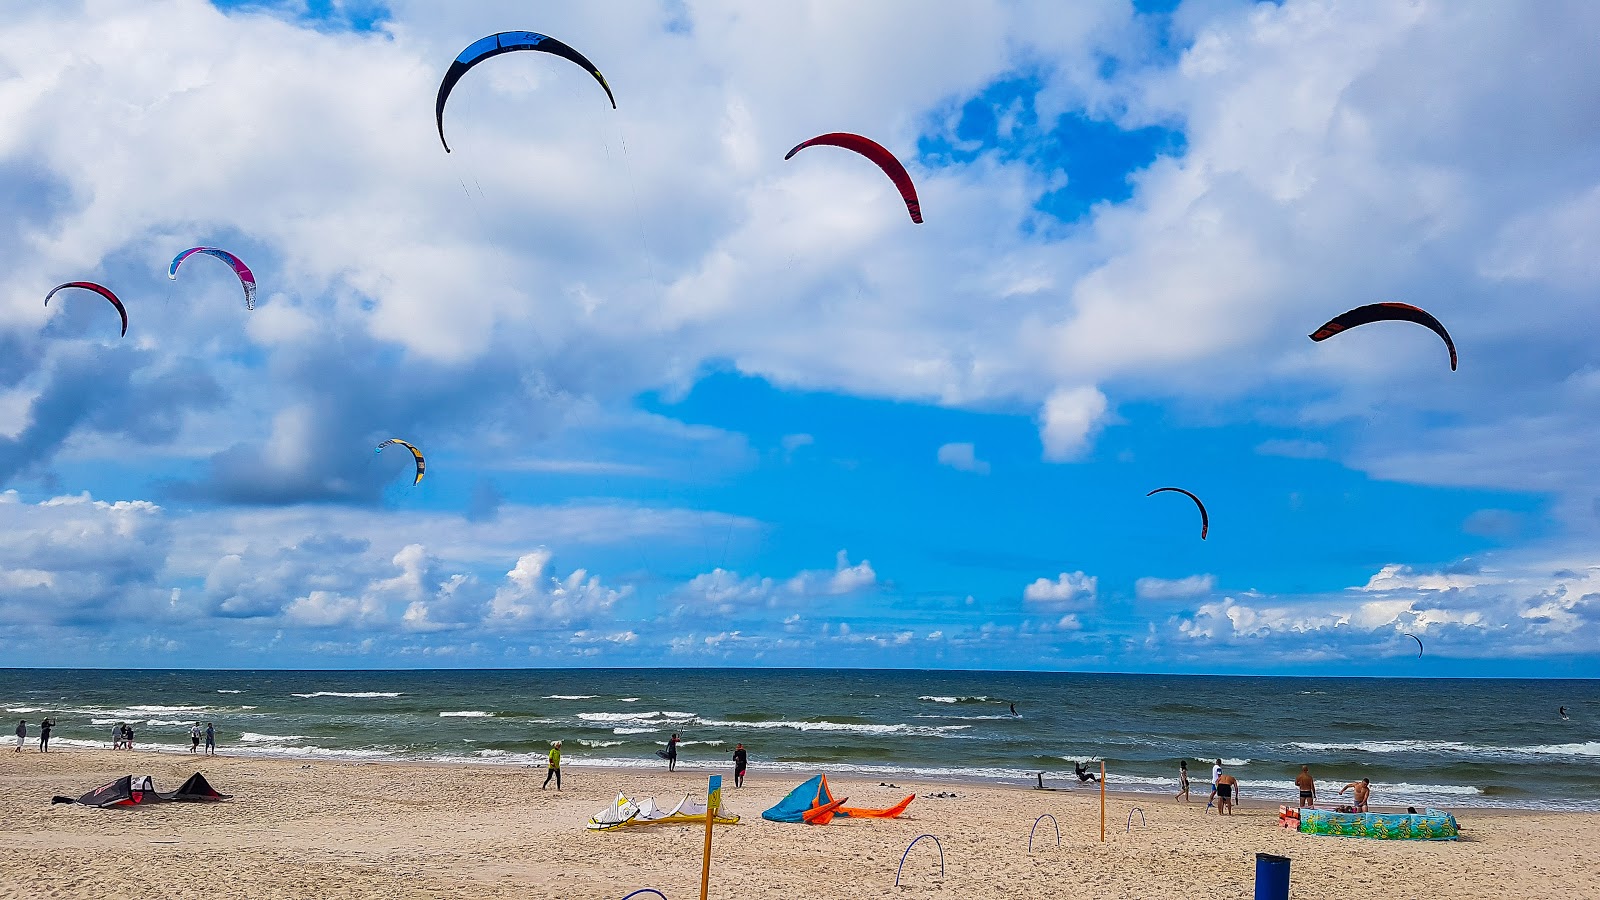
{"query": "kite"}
(421, 465)
(1205, 520)
(98, 289)
(506, 42)
(874, 151)
(1417, 639)
(246, 278)
(1380, 312)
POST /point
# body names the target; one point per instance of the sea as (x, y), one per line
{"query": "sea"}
(1446, 743)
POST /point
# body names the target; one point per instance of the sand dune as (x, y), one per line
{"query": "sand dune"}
(360, 830)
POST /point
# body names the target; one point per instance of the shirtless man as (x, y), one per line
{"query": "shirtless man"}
(1363, 790)
(1308, 788)
(1227, 790)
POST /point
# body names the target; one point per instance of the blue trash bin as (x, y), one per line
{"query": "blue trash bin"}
(1272, 877)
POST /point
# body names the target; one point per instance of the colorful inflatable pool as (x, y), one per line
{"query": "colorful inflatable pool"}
(1429, 825)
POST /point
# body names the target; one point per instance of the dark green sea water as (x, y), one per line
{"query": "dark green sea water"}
(1440, 742)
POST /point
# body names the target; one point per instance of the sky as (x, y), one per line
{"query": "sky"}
(686, 403)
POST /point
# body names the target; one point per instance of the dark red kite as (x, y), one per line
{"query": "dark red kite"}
(874, 151)
(98, 289)
(1205, 520)
(1380, 312)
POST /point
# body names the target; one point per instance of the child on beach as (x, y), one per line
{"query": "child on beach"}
(1183, 781)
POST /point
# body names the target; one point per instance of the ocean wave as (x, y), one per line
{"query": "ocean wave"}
(359, 695)
(250, 737)
(588, 743)
(1587, 749)
(312, 752)
(24, 709)
(1234, 762)
(963, 718)
(221, 691)
(571, 696)
(652, 716)
(849, 727)
(955, 699)
(467, 714)
(690, 743)
(629, 700)
(626, 730)
(167, 709)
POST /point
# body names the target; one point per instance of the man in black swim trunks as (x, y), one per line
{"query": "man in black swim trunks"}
(1227, 789)
(1307, 786)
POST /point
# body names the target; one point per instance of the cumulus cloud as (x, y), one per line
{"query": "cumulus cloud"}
(1069, 421)
(1068, 589)
(963, 458)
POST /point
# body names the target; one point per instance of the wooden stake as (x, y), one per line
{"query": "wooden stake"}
(714, 800)
(1102, 809)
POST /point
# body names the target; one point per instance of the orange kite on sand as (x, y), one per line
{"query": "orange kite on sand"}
(813, 804)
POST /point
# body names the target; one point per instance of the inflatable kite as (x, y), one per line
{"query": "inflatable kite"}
(624, 813)
(1417, 639)
(506, 42)
(813, 804)
(1205, 520)
(874, 151)
(421, 465)
(98, 289)
(140, 790)
(246, 278)
(1384, 312)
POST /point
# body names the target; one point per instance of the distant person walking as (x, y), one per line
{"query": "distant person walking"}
(1307, 786)
(672, 752)
(740, 758)
(1216, 775)
(1183, 781)
(1227, 792)
(555, 766)
(44, 734)
(22, 734)
(211, 740)
(127, 737)
(116, 736)
(1363, 793)
(194, 738)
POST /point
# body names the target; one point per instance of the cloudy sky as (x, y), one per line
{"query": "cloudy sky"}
(686, 403)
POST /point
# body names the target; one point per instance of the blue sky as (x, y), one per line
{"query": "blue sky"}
(686, 403)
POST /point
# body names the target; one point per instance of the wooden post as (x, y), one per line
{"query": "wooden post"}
(1102, 805)
(713, 801)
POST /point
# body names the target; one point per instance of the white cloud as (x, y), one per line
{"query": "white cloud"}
(1069, 588)
(962, 457)
(1069, 421)
(844, 579)
(1174, 589)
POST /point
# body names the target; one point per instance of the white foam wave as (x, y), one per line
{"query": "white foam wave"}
(847, 727)
(359, 695)
(24, 709)
(962, 718)
(652, 716)
(167, 709)
(221, 691)
(571, 696)
(955, 699)
(490, 753)
(691, 743)
(629, 700)
(588, 743)
(1234, 762)
(625, 730)
(250, 737)
(467, 714)
(1587, 749)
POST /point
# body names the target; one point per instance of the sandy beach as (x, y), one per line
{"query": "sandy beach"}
(317, 829)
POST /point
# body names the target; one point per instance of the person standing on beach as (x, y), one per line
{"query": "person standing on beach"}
(22, 734)
(555, 766)
(194, 738)
(1308, 788)
(740, 758)
(1216, 775)
(211, 740)
(1363, 793)
(1183, 781)
(44, 734)
(127, 737)
(1227, 791)
(116, 736)
(672, 752)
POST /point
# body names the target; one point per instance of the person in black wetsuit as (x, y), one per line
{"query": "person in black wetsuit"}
(44, 734)
(1084, 775)
(672, 753)
(740, 759)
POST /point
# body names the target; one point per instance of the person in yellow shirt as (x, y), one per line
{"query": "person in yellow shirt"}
(555, 766)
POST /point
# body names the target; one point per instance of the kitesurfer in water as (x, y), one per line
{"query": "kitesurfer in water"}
(1015, 713)
(1084, 775)
(1563, 712)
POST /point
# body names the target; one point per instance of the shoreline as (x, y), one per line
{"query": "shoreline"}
(945, 778)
